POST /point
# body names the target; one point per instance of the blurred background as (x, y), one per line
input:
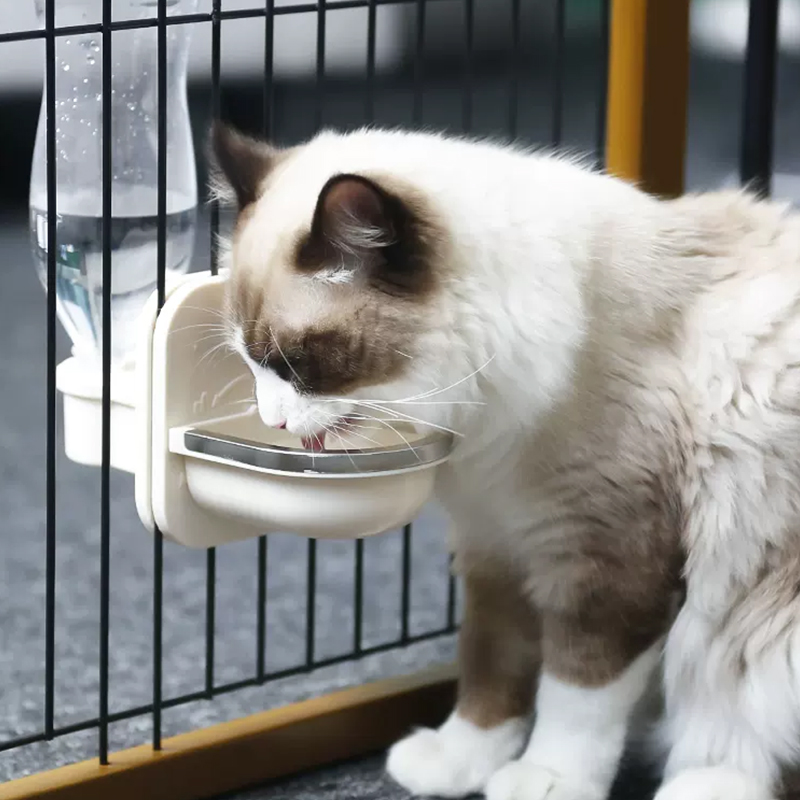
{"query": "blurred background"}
(719, 29)
(414, 84)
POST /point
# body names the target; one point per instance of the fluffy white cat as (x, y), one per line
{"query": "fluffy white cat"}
(623, 376)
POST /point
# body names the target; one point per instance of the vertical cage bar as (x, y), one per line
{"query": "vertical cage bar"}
(50, 488)
(311, 601)
(319, 110)
(319, 115)
(513, 76)
(211, 553)
(369, 112)
(372, 35)
(161, 277)
(261, 619)
(405, 598)
(268, 101)
(358, 599)
(469, 46)
(105, 468)
(758, 120)
(556, 133)
(602, 93)
(269, 68)
(419, 62)
(451, 602)
(158, 636)
(213, 210)
(211, 612)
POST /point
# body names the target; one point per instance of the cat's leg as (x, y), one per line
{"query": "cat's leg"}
(499, 651)
(732, 694)
(590, 684)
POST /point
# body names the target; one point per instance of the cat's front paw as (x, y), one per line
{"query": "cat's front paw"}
(456, 760)
(523, 780)
(713, 783)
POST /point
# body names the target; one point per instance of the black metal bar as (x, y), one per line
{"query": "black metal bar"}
(513, 76)
(161, 276)
(158, 635)
(261, 612)
(211, 611)
(358, 599)
(216, 45)
(602, 100)
(469, 43)
(558, 73)
(419, 62)
(451, 603)
(311, 601)
(268, 116)
(405, 597)
(105, 467)
(755, 167)
(372, 24)
(269, 69)
(319, 110)
(50, 489)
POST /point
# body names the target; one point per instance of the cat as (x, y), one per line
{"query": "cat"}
(622, 375)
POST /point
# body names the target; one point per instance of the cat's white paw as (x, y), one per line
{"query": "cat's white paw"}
(713, 783)
(523, 780)
(456, 760)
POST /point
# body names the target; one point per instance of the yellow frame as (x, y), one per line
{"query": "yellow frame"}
(646, 140)
(648, 78)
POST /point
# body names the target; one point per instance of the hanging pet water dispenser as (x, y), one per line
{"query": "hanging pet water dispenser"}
(208, 471)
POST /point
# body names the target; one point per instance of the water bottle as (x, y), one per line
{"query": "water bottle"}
(134, 143)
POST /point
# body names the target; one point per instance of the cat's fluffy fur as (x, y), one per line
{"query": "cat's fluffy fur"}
(624, 375)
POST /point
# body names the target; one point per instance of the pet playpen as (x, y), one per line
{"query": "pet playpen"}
(641, 89)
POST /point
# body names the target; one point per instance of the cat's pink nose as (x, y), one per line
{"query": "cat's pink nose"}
(281, 425)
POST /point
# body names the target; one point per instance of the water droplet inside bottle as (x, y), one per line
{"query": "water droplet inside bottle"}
(131, 106)
(91, 59)
(94, 46)
(65, 67)
(86, 80)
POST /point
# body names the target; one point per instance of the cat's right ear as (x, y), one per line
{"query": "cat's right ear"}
(238, 164)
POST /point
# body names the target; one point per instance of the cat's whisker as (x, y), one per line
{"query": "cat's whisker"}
(397, 433)
(207, 357)
(286, 360)
(441, 390)
(410, 418)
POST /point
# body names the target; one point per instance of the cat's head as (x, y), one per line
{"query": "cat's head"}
(336, 281)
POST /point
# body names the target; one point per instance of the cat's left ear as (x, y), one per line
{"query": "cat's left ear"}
(238, 164)
(363, 227)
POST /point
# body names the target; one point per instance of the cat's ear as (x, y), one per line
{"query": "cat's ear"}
(361, 227)
(238, 163)
(354, 216)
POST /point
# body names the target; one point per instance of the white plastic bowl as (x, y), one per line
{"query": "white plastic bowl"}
(239, 469)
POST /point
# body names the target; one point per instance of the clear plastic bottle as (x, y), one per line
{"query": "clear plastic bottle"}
(134, 138)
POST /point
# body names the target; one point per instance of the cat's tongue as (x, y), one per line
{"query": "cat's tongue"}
(316, 444)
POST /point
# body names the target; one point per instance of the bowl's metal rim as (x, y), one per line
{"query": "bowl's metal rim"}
(429, 450)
